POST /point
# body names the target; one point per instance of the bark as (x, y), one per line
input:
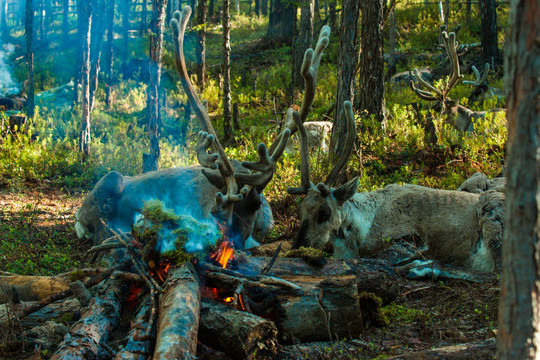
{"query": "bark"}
(141, 334)
(258, 7)
(200, 51)
(478, 350)
(375, 276)
(88, 337)
(488, 30)
(4, 29)
(41, 21)
(237, 333)
(327, 308)
(281, 21)
(95, 49)
(347, 62)
(85, 19)
(264, 7)
(227, 113)
(332, 14)
(65, 309)
(29, 33)
(126, 26)
(144, 13)
(370, 97)
(519, 305)
(65, 21)
(211, 9)
(109, 52)
(392, 42)
(303, 42)
(30, 288)
(153, 119)
(179, 307)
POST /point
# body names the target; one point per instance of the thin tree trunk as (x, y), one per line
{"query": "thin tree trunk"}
(84, 37)
(370, 97)
(109, 52)
(303, 42)
(201, 45)
(264, 7)
(392, 42)
(65, 21)
(29, 32)
(211, 9)
(41, 25)
(446, 12)
(159, 7)
(125, 28)
(519, 305)
(332, 21)
(258, 7)
(488, 31)
(95, 49)
(227, 127)
(281, 21)
(3, 21)
(47, 7)
(468, 11)
(347, 62)
(144, 12)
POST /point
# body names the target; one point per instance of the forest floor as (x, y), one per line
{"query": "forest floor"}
(427, 314)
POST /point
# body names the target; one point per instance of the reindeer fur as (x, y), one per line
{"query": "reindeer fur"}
(453, 227)
(118, 199)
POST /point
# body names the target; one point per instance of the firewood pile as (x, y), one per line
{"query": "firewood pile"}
(229, 302)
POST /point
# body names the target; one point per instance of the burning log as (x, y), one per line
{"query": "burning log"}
(87, 339)
(237, 333)
(141, 335)
(179, 307)
(372, 275)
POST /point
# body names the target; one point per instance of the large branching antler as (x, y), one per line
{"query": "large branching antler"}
(448, 41)
(309, 71)
(348, 148)
(261, 170)
(480, 78)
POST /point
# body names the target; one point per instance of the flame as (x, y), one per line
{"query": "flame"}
(160, 272)
(224, 253)
(228, 299)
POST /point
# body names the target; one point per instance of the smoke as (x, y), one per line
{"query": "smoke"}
(7, 85)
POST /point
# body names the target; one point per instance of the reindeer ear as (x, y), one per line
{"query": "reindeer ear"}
(346, 191)
(111, 184)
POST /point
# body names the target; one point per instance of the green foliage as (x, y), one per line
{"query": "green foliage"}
(398, 313)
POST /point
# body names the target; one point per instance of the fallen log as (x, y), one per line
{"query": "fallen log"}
(237, 333)
(87, 339)
(17, 288)
(327, 309)
(141, 335)
(372, 275)
(179, 307)
(477, 350)
(68, 310)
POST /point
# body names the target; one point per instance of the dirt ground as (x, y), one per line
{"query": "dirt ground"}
(427, 314)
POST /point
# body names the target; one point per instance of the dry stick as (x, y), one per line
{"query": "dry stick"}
(64, 294)
(150, 280)
(326, 316)
(267, 268)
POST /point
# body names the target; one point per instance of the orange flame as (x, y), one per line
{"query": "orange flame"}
(223, 254)
(160, 272)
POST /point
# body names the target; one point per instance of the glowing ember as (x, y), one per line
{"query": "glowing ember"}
(223, 254)
(160, 272)
(228, 299)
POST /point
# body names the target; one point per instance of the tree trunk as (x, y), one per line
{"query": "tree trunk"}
(281, 21)
(211, 9)
(47, 7)
(347, 62)
(95, 50)
(41, 22)
(144, 12)
(65, 21)
(4, 29)
(264, 7)
(519, 306)
(85, 19)
(156, 51)
(392, 42)
(109, 52)
(446, 12)
(200, 51)
(332, 14)
(488, 31)
(303, 42)
(258, 7)
(370, 97)
(125, 27)
(227, 127)
(29, 32)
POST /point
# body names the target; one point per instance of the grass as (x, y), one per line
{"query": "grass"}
(47, 150)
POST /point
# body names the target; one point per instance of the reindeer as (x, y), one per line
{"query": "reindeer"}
(457, 115)
(218, 188)
(452, 227)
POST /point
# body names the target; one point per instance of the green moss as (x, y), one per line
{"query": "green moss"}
(401, 314)
(370, 307)
(310, 255)
(76, 275)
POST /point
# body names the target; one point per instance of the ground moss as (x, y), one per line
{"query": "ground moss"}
(370, 307)
(310, 255)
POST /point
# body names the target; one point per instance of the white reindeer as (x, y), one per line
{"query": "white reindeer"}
(452, 227)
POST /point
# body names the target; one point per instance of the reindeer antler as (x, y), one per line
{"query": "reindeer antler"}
(480, 78)
(309, 71)
(264, 167)
(349, 145)
(448, 41)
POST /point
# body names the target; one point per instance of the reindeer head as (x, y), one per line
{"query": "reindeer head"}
(321, 212)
